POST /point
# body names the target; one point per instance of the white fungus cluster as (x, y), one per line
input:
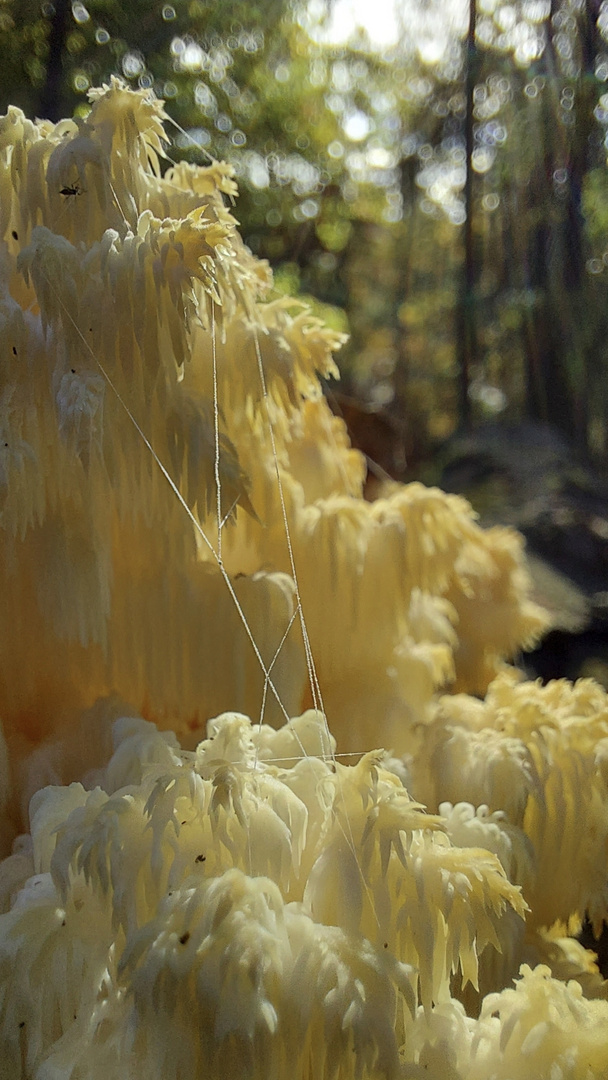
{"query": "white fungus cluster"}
(183, 529)
(216, 912)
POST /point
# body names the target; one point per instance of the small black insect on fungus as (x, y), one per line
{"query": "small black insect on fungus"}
(71, 189)
(184, 938)
(200, 858)
(14, 234)
(14, 351)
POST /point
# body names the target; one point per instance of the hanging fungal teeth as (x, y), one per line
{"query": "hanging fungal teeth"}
(258, 891)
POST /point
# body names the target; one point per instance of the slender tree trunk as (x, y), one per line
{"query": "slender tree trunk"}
(401, 378)
(466, 333)
(52, 104)
(569, 364)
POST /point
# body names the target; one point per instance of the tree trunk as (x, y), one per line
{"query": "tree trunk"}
(466, 339)
(52, 101)
(558, 357)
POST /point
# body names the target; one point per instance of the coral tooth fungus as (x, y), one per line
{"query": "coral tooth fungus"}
(202, 620)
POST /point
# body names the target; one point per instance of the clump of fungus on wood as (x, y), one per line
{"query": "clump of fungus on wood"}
(201, 619)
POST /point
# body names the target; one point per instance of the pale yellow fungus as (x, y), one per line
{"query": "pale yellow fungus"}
(184, 540)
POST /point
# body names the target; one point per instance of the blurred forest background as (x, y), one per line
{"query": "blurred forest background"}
(444, 200)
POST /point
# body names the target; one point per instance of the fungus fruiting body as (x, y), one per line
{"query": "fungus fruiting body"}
(206, 633)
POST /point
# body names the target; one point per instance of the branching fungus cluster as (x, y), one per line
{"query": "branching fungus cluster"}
(206, 632)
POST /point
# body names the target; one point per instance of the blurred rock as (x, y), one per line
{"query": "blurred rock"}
(526, 476)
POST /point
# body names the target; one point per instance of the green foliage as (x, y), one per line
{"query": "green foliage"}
(351, 169)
